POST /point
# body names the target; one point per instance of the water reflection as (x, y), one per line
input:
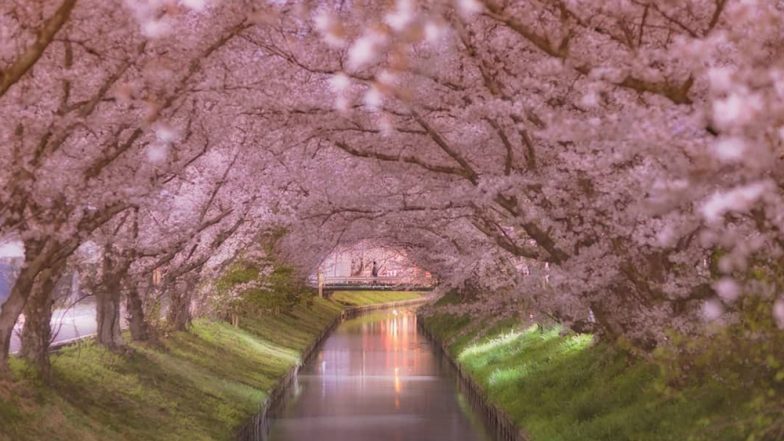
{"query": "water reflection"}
(377, 378)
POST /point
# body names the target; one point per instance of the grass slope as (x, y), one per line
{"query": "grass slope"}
(363, 298)
(566, 387)
(201, 385)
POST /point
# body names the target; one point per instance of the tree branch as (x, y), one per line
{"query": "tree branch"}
(408, 159)
(30, 56)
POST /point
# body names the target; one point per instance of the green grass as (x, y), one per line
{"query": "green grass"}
(200, 385)
(568, 387)
(364, 298)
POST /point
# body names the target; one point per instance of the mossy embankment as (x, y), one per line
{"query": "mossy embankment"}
(196, 385)
(365, 298)
(560, 386)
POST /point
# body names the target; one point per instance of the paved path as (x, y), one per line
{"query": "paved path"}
(67, 324)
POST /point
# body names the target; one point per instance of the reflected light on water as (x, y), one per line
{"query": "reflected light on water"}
(377, 378)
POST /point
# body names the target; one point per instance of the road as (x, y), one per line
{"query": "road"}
(67, 324)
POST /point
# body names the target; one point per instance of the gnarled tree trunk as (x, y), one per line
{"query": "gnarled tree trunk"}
(15, 304)
(11, 310)
(140, 330)
(107, 308)
(180, 316)
(37, 330)
(108, 298)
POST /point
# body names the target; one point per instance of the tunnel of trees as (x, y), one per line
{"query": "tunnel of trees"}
(614, 166)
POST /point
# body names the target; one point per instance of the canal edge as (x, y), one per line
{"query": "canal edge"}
(498, 421)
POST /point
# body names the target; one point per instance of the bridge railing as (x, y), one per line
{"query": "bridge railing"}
(387, 282)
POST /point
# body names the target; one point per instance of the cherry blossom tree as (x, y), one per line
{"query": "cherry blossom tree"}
(97, 118)
(540, 146)
(616, 162)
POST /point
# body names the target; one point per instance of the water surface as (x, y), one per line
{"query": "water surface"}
(376, 378)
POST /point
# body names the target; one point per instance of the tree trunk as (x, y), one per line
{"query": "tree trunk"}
(139, 328)
(180, 311)
(107, 308)
(108, 297)
(37, 330)
(608, 326)
(9, 314)
(180, 308)
(15, 303)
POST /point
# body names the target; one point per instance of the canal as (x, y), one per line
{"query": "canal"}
(377, 378)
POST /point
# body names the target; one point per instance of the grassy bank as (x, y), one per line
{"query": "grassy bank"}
(568, 387)
(199, 385)
(363, 298)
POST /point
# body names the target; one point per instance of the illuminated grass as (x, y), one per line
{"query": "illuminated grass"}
(363, 298)
(201, 385)
(567, 387)
(494, 343)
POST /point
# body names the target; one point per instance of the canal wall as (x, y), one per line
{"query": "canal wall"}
(257, 429)
(500, 424)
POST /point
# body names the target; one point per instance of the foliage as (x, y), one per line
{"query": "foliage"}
(281, 290)
(747, 356)
(238, 273)
(259, 283)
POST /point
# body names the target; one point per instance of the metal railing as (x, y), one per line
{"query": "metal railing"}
(370, 282)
